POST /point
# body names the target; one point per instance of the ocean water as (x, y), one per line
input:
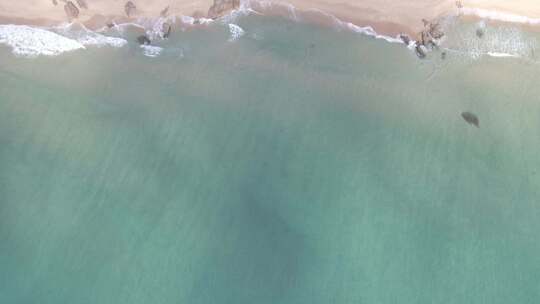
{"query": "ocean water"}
(272, 161)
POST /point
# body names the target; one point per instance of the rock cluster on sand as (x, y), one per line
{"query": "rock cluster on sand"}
(71, 10)
(130, 8)
(429, 38)
(221, 7)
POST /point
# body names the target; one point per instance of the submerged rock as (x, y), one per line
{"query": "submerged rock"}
(443, 55)
(130, 8)
(54, 2)
(471, 119)
(71, 10)
(82, 4)
(143, 40)
(480, 33)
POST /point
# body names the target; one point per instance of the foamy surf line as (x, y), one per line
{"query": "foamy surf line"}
(366, 30)
(489, 54)
(498, 16)
(259, 7)
(31, 42)
(27, 41)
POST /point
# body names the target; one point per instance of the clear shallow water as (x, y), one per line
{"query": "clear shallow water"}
(297, 164)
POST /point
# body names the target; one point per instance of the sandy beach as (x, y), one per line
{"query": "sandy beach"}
(385, 16)
(393, 17)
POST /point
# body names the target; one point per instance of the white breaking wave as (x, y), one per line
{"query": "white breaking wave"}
(236, 32)
(205, 20)
(87, 37)
(499, 16)
(151, 51)
(32, 42)
(369, 31)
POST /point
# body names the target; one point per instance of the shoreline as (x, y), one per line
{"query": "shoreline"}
(381, 18)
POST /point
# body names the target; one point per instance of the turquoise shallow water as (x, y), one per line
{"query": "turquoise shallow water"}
(298, 164)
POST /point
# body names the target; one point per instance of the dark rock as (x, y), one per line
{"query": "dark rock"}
(110, 25)
(480, 33)
(406, 39)
(164, 12)
(420, 51)
(54, 2)
(471, 119)
(82, 4)
(71, 10)
(130, 8)
(143, 40)
(423, 38)
(167, 28)
(443, 55)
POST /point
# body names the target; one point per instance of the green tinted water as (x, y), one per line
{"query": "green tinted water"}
(297, 164)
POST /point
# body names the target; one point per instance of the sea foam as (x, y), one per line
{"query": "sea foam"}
(151, 51)
(236, 31)
(27, 41)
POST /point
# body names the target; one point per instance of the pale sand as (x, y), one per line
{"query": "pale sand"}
(45, 12)
(386, 16)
